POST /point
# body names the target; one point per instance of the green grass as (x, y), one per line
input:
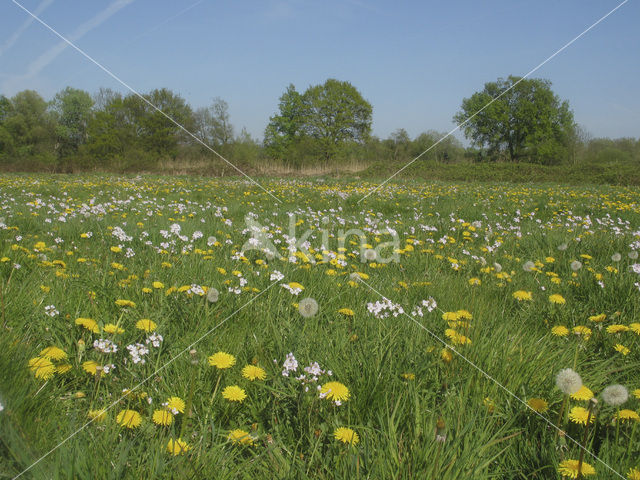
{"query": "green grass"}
(399, 382)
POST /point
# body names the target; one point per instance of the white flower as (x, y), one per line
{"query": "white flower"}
(276, 276)
(615, 395)
(1, 407)
(105, 345)
(154, 339)
(51, 310)
(568, 381)
(290, 365)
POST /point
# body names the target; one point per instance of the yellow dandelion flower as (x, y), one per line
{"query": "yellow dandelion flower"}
(475, 282)
(240, 437)
(539, 405)
(88, 323)
(129, 418)
(177, 447)
(234, 393)
(346, 435)
(598, 318)
(222, 360)
(450, 316)
(346, 311)
(622, 349)
(584, 393)
(157, 285)
(569, 468)
(42, 368)
(557, 299)
(583, 331)
(446, 355)
(125, 303)
(176, 403)
(408, 376)
(63, 368)
(146, 290)
(628, 415)
(162, 417)
(146, 324)
(522, 295)
(112, 328)
(635, 328)
(115, 249)
(633, 474)
(579, 415)
(560, 331)
(613, 329)
(97, 415)
(252, 372)
(464, 314)
(335, 391)
(636, 393)
(53, 353)
(90, 366)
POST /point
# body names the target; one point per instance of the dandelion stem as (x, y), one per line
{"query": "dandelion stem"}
(592, 404)
(562, 407)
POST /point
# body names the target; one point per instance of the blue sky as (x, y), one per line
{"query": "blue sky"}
(413, 60)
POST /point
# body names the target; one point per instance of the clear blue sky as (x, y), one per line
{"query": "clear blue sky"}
(413, 60)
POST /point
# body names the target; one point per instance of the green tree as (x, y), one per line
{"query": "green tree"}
(72, 108)
(285, 128)
(335, 113)
(527, 121)
(323, 121)
(31, 128)
(158, 133)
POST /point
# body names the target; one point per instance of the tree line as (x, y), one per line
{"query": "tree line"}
(509, 120)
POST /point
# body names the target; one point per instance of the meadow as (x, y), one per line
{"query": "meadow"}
(184, 327)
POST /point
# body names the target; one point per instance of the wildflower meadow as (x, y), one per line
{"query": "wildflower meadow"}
(157, 327)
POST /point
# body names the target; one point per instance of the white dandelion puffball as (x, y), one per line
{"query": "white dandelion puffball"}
(212, 295)
(616, 257)
(562, 247)
(615, 395)
(308, 307)
(370, 255)
(568, 381)
(497, 267)
(528, 266)
(633, 254)
(576, 265)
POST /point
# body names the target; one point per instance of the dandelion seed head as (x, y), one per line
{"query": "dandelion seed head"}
(615, 395)
(308, 307)
(568, 381)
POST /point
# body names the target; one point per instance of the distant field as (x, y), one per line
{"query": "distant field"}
(178, 316)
